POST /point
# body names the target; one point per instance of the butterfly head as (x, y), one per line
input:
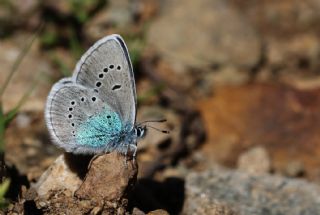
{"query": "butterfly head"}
(142, 127)
(140, 131)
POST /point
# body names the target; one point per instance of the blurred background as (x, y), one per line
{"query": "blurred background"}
(238, 82)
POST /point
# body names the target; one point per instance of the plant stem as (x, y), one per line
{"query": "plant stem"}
(18, 61)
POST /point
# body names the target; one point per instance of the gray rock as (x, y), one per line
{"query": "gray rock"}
(240, 193)
(204, 32)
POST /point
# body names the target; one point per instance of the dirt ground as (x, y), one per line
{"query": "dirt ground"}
(237, 82)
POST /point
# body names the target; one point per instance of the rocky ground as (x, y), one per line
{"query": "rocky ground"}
(237, 81)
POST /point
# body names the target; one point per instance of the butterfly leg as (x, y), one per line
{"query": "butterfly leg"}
(135, 151)
(126, 155)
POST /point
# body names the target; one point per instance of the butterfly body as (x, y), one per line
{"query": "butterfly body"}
(94, 111)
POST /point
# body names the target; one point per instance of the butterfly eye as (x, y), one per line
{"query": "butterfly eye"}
(105, 69)
(101, 75)
(111, 66)
(70, 109)
(138, 132)
(72, 102)
(93, 99)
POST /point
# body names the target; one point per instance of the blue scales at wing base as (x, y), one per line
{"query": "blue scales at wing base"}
(100, 129)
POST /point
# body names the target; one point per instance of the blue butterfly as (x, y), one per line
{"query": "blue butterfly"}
(94, 111)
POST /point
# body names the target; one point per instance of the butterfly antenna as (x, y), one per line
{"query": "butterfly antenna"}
(157, 120)
(157, 129)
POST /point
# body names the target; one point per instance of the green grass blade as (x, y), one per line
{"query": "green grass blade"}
(18, 61)
(4, 186)
(2, 129)
(8, 117)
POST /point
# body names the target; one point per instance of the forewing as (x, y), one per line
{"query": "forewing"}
(106, 67)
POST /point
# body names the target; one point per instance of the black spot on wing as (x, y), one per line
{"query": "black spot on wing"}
(116, 87)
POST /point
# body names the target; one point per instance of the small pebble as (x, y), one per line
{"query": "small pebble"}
(158, 212)
(255, 161)
(294, 169)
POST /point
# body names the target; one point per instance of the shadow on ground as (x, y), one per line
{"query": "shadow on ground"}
(150, 195)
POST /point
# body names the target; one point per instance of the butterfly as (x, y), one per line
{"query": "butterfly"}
(94, 111)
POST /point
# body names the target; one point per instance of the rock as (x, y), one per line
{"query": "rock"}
(137, 211)
(204, 33)
(235, 192)
(255, 161)
(104, 189)
(110, 178)
(213, 208)
(158, 212)
(277, 117)
(294, 169)
(59, 176)
(23, 120)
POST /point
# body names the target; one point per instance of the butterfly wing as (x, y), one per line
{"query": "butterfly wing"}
(106, 68)
(79, 120)
(86, 113)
